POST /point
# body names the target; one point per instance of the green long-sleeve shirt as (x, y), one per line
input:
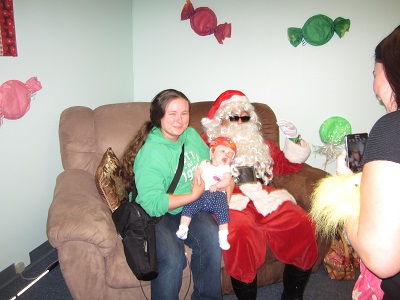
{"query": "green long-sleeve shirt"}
(156, 164)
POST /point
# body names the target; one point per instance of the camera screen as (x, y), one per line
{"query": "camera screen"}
(355, 145)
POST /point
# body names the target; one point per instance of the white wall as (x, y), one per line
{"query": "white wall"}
(81, 51)
(306, 84)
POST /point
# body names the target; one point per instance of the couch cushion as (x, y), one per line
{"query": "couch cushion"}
(77, 139)
(86, 133)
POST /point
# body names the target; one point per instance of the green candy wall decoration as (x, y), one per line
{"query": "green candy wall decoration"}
(318, 30)
(334, 129)
(332, 132)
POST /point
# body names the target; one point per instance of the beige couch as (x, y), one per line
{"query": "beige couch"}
(80, 225)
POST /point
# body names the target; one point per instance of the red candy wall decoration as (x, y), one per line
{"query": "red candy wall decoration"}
(15, 97)
(204, 22)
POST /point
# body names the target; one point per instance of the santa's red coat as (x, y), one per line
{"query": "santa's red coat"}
(287, 230)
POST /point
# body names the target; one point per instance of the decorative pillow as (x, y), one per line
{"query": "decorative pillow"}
(109, 182)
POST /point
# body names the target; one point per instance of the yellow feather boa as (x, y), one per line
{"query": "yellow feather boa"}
(334, 202)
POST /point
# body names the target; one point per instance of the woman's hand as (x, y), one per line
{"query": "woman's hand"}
(197, 187)
(341, 165)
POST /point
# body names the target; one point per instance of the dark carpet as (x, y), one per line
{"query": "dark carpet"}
(52, 285)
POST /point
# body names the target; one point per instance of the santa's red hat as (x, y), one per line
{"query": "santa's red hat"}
(227, 95)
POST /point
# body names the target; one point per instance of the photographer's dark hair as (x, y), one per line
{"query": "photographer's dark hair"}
(388, 53)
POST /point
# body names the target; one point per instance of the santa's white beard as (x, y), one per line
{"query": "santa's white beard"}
(251, 149)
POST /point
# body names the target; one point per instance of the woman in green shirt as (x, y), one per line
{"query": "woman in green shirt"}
(155, 151)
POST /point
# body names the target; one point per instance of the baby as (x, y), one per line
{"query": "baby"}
(216, 175)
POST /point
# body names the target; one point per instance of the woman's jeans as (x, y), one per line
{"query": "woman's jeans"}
(205, 262)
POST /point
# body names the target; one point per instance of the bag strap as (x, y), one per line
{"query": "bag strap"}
(178, 173)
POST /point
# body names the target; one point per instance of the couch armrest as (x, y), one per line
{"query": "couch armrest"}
(77, 213)
(301, 184)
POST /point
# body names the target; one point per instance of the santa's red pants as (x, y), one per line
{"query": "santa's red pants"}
(288, 231)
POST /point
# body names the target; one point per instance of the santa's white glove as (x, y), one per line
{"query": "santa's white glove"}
(288, 129)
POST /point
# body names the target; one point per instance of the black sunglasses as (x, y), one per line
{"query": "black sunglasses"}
(236, 118)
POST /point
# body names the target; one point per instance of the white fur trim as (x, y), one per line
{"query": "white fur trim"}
(265, 202)
(205, 121)
(238, 202)
(250, 187)
(233, 99)
(254, 191)
(296, 153)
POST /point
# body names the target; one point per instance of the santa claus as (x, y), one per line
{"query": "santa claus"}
(260, 214)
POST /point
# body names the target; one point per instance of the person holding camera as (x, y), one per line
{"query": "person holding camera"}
(375, 234)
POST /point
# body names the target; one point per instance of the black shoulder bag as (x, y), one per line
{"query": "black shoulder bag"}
(137, 230)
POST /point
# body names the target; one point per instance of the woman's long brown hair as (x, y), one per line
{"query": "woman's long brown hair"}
(157, 112)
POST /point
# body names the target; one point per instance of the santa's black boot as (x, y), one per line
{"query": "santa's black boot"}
(294, 282)
(243, 290)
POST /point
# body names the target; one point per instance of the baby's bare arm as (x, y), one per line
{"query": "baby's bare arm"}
(225, 181)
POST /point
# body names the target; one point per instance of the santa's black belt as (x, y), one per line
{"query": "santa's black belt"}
(246, 175)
